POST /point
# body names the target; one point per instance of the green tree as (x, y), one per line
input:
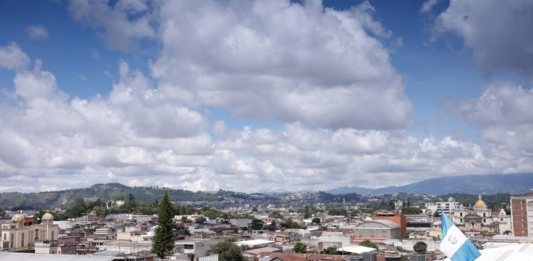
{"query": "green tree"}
(299, 247)
(228, 251)
(369, 243)
(257, 224)
(78, 209)
(420, 247)
(330, 251)
(200, 220)
(130, 204)
(307, 214)
(164, 238)
(275, 214)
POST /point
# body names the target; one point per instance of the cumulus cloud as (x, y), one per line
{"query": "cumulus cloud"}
(427, 6)
(324, 74)
(36, 32)
(12, 57)
(283, 61)
(505, 116)
(498, 32)
(118, 23)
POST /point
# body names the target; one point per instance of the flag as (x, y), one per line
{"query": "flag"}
(454, 243)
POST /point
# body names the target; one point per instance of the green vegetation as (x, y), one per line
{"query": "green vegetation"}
(369, 243)
(289, 223)
(213, 213)
(299, 247)
(257, 224)
(330, 251)
(275, 214)
(337, 212)
(315, 221)
(307, 214)
(228, 251)
(411, 210)
(200, 220)
(104, 192)
(164, 238)
(420, 247)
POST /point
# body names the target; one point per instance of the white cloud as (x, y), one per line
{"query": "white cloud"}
(427, 6)
(11, 57)
(505, 117)
(36, 32)
(283, 61)
(324, 74)
(498, 32)
(118, 23)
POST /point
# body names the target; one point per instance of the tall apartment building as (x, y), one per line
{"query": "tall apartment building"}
(522, 215)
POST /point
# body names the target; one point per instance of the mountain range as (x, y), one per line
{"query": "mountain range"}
(473, 184)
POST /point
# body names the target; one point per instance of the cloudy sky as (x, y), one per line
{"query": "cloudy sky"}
(271, 95)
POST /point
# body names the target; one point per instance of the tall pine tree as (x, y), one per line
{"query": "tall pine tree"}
(164, 238)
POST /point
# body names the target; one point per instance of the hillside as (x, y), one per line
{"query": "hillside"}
(104, 192)
(473, 184)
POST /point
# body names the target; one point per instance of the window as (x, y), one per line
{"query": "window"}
(5, 236)
(22, 240)
(52, 235)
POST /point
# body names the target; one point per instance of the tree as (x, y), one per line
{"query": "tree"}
(200, 220)
(130, 204)
(420, 247)
(369, 243)
(78, 209)
(300, 247)
(275, 214)
(257, 224)
(228, 251)
(164, 238)
(330, 251)
(306, 212)
(316, 221)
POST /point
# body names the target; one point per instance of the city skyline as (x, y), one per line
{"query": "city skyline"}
(258, 96)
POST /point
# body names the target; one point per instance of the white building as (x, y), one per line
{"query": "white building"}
(447, 207)
(19, 237)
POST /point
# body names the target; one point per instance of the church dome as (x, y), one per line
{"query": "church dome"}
(47, 217)
(17, 218)
(480, 204)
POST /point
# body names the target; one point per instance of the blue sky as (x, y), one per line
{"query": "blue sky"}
(415, 87)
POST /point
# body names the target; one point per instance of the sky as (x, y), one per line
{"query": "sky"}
(259, 96)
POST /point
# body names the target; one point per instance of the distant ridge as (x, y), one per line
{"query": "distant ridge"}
(473, 184)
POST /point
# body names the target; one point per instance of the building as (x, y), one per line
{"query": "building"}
(194, 249)
(480, 219)
(21, 236)
(447, 207)
(522, 215)
(376, 231)
(397, 218)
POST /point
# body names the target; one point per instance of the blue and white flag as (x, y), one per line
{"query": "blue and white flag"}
(454, 243)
